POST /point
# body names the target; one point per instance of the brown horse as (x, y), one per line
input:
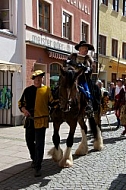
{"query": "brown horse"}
(71, 110)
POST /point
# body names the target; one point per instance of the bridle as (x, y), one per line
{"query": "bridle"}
(68, 90)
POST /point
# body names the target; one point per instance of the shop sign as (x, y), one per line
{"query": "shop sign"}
(80, 5)
(49, 42)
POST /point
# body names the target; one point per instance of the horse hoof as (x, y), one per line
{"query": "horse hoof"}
(98, 146)
(56, 154)
(65, 163)
(81, 153)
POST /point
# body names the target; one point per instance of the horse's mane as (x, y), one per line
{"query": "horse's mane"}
(68, 77)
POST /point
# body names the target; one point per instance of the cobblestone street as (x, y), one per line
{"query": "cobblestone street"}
(105, 170)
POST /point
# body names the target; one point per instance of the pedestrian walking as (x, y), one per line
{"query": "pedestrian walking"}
(118, 87)
(111, 91)
(121, 107)
(34, 104)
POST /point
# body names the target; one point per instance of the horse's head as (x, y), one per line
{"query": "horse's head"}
(68, 91)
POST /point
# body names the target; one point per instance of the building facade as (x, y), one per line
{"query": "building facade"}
(40, 34)
(52, 30)
(11, 59)
(112, 40)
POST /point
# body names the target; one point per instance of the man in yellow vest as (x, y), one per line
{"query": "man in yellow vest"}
(34, 103)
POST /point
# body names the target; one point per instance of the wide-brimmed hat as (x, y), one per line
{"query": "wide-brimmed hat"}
(84, 43)
(37, 73)
(119, 79)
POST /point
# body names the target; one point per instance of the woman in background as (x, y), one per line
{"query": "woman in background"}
(121, 107)
(118, 87)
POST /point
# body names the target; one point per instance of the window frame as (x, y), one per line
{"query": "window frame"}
(114, 47)
(70, 16)
(116, 6)
(12, 17)
(124, 50)
(124, 76)
(87, 31)
(124, 7)
(113, 77)
(43, 28)
(102, 44)
(105, 2)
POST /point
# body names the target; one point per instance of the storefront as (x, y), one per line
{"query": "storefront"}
(7, 69)
(46, 53)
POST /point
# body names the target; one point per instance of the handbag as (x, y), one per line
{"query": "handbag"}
(123, 113)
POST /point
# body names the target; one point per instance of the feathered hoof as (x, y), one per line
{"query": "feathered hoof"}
(66, 163)
(81, 152)
(56, 155)
(98, 145)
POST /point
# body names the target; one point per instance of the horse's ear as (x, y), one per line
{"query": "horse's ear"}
(62, 70)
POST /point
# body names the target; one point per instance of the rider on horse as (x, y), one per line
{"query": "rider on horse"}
(86, 86)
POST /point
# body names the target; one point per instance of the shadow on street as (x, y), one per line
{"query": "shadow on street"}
(26, 178)
(119, 183)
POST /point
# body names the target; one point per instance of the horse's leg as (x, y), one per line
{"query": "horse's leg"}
(98, 140)
(83, 147)
(67, 160)
(56, 152)
(97, 117)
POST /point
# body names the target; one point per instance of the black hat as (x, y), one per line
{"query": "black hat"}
(84, 43)
(37, 73)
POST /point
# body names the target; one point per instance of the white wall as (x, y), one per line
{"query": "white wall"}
(12, 49)
(19, 81)
(28, 12)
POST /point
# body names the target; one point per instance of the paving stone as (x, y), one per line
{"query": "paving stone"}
(105, 170)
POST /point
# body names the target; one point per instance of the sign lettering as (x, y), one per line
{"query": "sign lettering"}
(80, 5)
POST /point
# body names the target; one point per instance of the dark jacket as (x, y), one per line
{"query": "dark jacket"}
(121, 99)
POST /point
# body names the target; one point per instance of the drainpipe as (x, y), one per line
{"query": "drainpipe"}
(97, 35)
(95, 30)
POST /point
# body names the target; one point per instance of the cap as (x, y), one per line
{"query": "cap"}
(37, 73)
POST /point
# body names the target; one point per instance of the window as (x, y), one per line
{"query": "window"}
(84, 31)
(116, 5)
(4, 14)
(124, 77)
(105, 2)
(124, 7)
(66, 26)
(124, 50)
(44, 15)
(55, 69)
(114, 47)
(102, 45)
(8, 16)
(114, 77)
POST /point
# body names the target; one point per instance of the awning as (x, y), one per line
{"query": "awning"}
(9, 66)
